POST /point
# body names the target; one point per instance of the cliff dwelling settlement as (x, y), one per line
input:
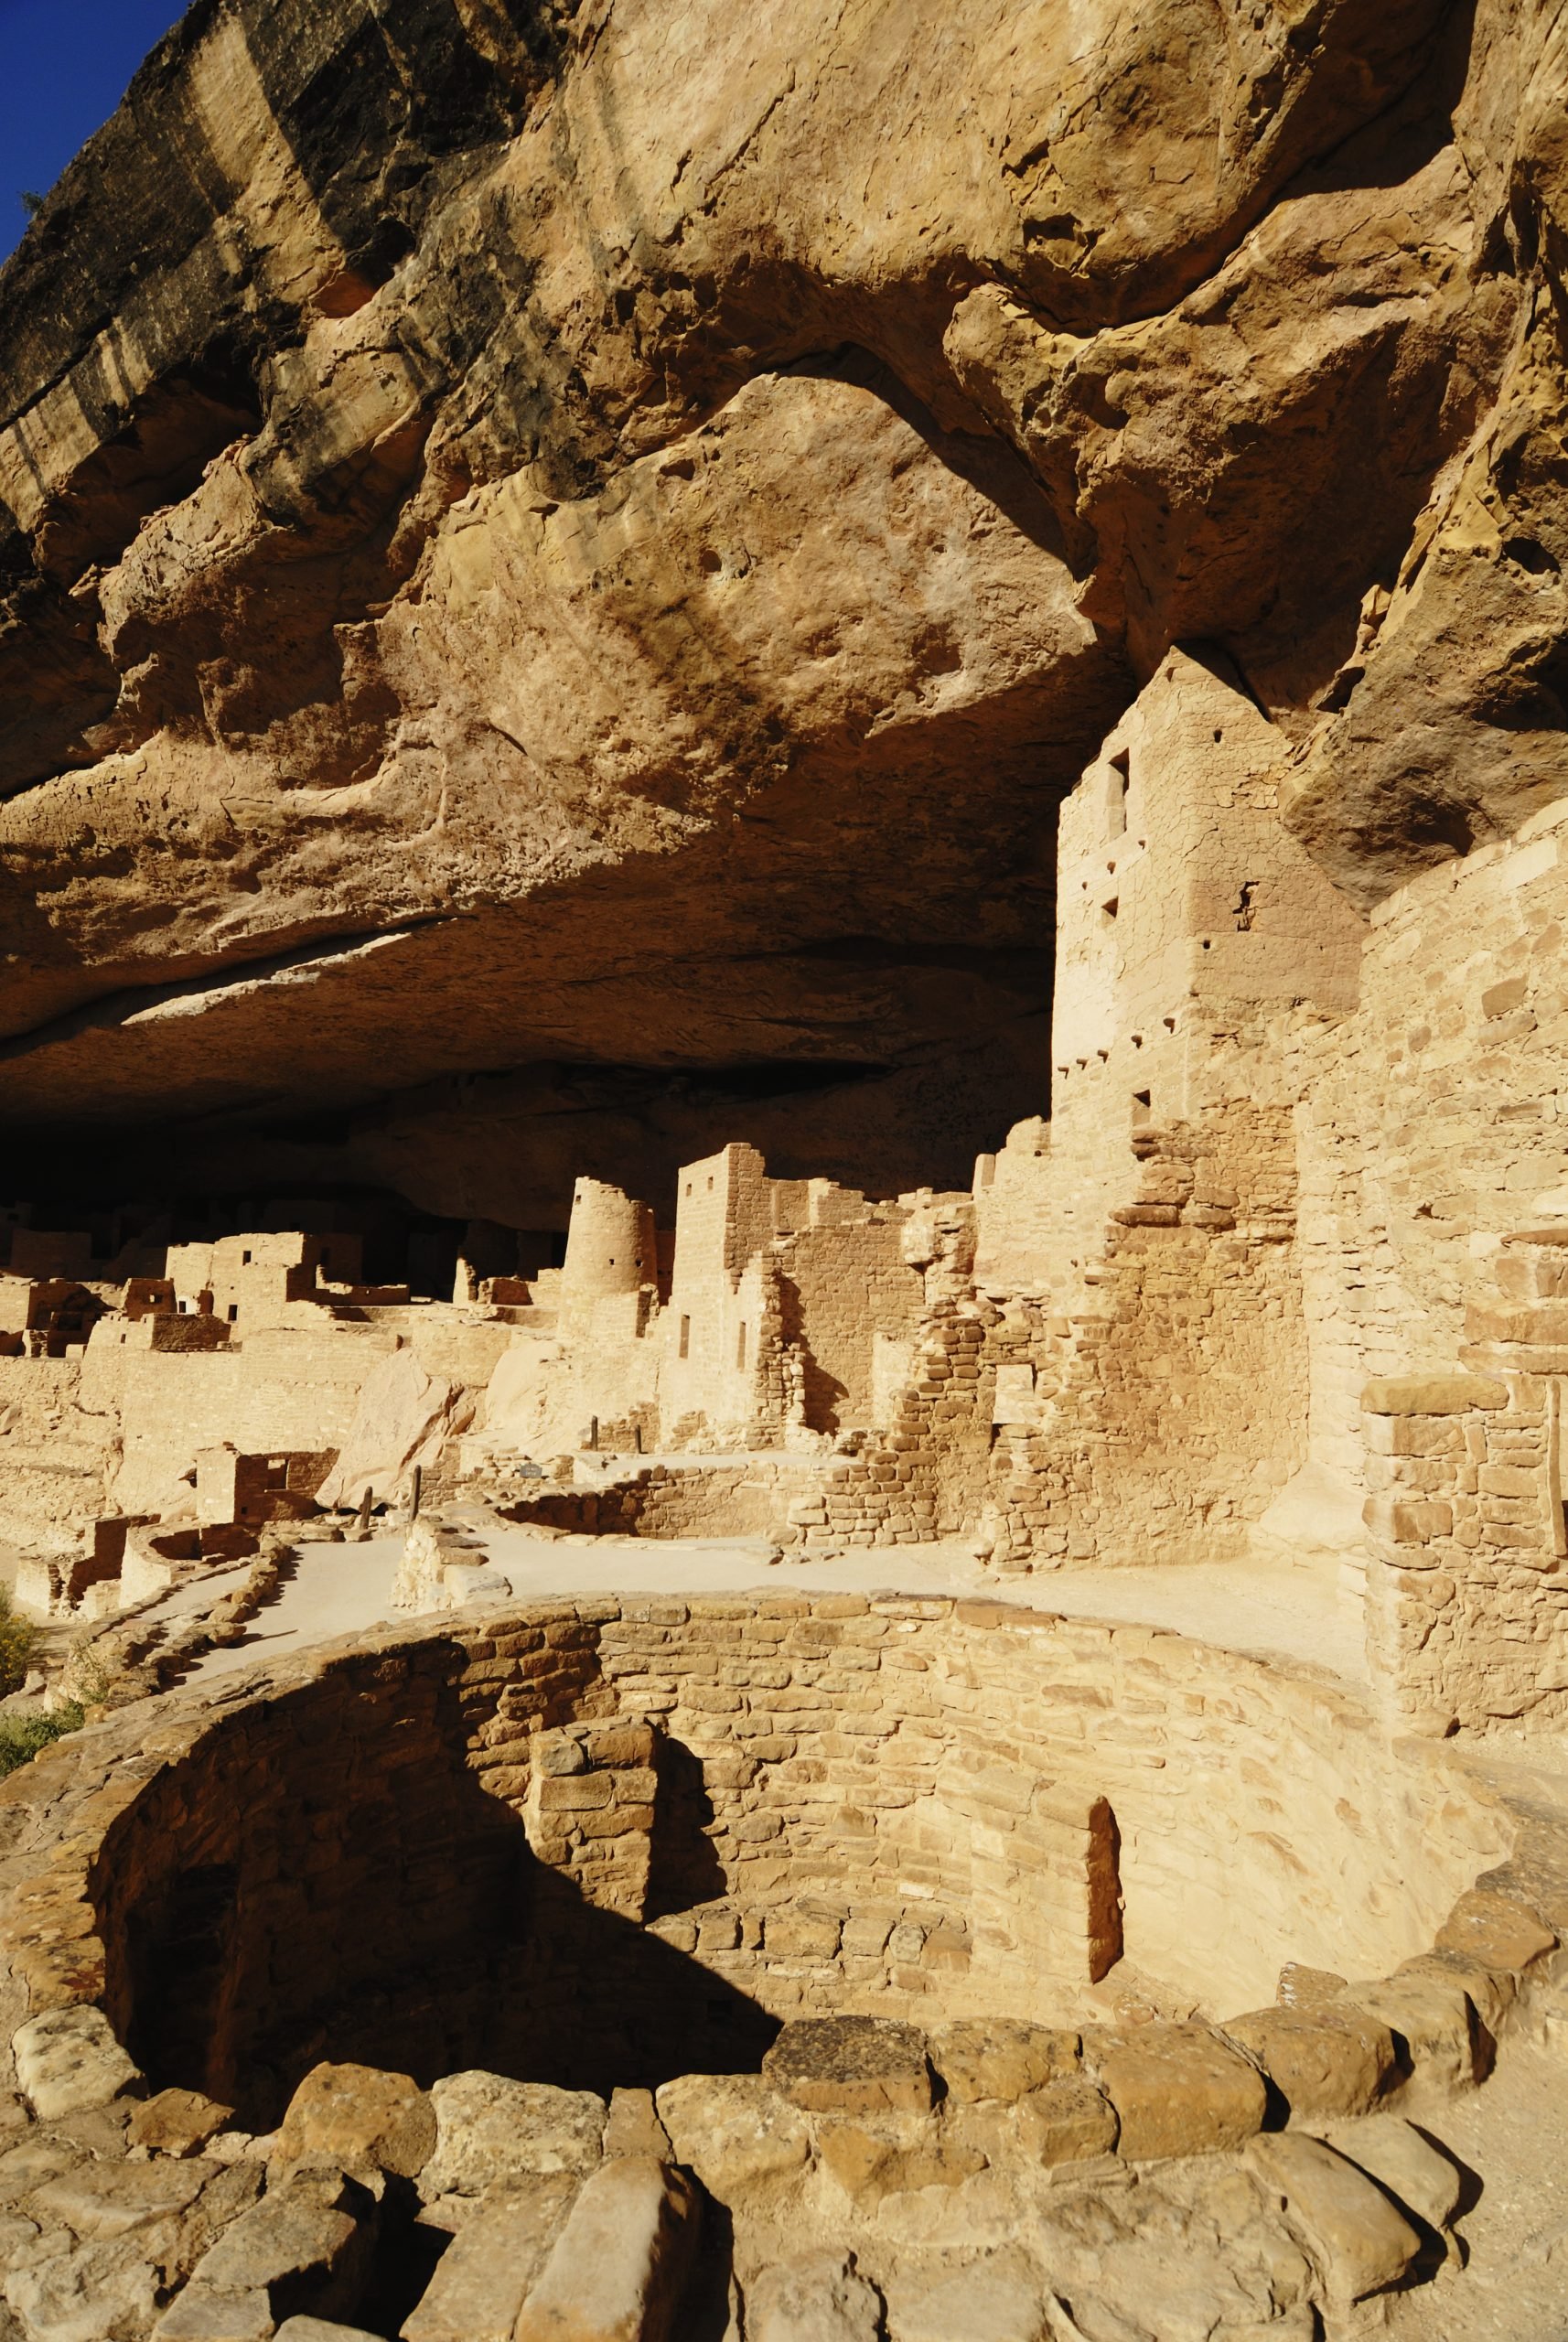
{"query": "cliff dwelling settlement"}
(784, 1322)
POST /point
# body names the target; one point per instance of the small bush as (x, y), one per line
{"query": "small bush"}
(89, 1677)
(21, 1737)
(17, 1636)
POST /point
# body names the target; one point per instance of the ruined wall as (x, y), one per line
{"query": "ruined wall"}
(844, 1281)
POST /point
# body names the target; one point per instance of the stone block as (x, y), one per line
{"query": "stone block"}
(201, 2314)
(1068, 2121)
(1000, 2058)
(821, 2297)
(302, 2253)
(735, 2130)
(851, 2065)
(71, 2059)
(491, 2130)
(618, 2269)
(175, 2122)
(1433, 1394)
(1421, 2179)
(1179, 2089)
(998, 2300)
(1407, 1521)
(1435, 2028)
(1497, 1930)
(893, 2152)
(358, 2118)
(321, 2329)
(483, 2277)
(633, 2127)
(105, 2200)
(1323, 2061)
(1357, 2239)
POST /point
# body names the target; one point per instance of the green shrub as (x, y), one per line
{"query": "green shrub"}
(17, 1636)
(21, 1737)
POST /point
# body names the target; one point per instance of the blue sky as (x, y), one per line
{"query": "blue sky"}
(64, 65)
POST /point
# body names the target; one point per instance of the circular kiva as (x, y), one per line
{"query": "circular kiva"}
(602, 1843)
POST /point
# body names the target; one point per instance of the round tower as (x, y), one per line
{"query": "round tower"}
(609, 1246)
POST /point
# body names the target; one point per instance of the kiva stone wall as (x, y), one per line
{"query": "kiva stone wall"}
(926, 1808)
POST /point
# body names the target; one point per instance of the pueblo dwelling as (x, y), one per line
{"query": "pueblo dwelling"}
(867, 1962)
(1280, 1271)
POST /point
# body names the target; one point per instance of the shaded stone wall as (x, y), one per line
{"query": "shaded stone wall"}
(910, 1807)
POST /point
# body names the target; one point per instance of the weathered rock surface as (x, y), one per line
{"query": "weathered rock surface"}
(619, 2266)
(1326, 2061)
(484, 2274)
(1359, 2240)
(851, 2065)
(632, 520)
(820, 2297)
(71, 2060)
(1179, 2089)
(357, 2118)
(490, 2129)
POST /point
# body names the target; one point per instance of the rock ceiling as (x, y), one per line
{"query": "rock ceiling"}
(582, 547)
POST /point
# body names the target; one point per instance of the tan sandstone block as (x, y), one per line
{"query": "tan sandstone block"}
(358, 2118)
(1434, 2024)
(1000, 2058)
(1068, 2121)
(1424, 2179)
(175, 2122)
(735, 2130)
(821, 2297)
(618, 2268)
(851, 2065)
(1358, 2240)
(1433, 1394)
(1179, 2089)
(482, 2278)
(490, 2129)
(70, 2060)
(1322, 2061)
(1496, 1929)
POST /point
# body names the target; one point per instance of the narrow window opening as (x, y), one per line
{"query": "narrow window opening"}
(685, 1337)
(1105, 1898)
(244, 1260)
(233, 1313)
(1116, 795)
(1142, 1106)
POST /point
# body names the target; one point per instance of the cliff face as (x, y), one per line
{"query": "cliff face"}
(586, 545)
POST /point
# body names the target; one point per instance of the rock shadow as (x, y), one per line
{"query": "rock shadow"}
(333, 1881)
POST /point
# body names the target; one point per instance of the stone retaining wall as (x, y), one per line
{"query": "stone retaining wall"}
(909, 1807)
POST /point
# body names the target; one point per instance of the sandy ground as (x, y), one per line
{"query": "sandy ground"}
(1280, 1609)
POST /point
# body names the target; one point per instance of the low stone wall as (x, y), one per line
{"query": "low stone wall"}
(742, 1499)
(609, 1841)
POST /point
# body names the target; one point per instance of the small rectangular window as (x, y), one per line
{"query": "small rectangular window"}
(244, 1260)
(1116, 795)
(685, 1337)
(233, 1313)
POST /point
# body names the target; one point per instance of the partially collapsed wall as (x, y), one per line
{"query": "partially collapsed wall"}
(1299, 1169)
